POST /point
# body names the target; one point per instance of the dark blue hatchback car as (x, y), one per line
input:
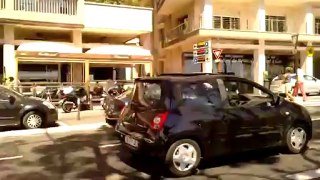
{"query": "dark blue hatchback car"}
(183, 118)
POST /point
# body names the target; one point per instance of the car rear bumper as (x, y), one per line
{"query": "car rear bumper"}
(145, 146)
(112, 116)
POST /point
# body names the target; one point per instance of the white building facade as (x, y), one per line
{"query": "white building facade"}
(255, 35)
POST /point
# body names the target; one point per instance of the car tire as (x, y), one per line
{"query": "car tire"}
(296, 139)
(32, 120)
(175, 168)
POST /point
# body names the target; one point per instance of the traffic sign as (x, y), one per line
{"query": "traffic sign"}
(217, 54)
(202, 52)
(310, 51)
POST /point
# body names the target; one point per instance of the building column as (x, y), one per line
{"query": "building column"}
(87, 74)
(147, 68)
(77, 68)
(259, 65)
(261, 16)
(203, 14)
(10, 64)
(174, 61)
(128, 73)
(309, 19)
(306, 63)
(135, 71)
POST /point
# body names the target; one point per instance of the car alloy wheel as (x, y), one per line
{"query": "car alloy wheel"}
(184, 157)
(34, 121)
(298, 138)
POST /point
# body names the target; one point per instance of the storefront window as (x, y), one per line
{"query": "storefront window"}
(38, 72)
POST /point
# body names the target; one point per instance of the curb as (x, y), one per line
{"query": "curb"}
(53, 130)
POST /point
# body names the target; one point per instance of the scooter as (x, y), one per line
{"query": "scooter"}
(70, 100)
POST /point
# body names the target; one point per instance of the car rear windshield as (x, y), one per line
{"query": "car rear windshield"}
(148, 93)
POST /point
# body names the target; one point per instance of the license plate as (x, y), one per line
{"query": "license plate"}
(131, 141)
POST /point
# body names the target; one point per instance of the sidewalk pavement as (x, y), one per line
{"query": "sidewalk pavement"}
(86, 117)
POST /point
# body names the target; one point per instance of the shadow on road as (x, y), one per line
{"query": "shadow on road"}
(79, 157)
(14, 128)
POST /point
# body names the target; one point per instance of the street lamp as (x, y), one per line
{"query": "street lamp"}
(295, 38)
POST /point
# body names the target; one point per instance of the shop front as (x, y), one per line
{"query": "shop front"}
(60, 63)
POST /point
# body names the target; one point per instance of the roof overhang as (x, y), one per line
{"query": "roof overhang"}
(50, 47)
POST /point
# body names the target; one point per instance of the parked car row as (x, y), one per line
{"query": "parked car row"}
(28, 112)
(182, 119)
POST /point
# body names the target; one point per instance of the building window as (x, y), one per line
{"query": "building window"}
(223, 22)
(276, 23)
(317, 25)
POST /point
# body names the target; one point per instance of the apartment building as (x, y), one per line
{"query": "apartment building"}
(255, 35)
(73, 40)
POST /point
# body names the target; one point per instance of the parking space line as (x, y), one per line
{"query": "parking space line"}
(11, 158)
(109, 145)
(307, 175)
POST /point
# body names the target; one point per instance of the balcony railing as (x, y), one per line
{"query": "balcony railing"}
(67, 7)
(52, 11)
(276, 25)
(178, 31)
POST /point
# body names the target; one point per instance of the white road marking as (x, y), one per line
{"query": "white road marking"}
(62, 123)
(60, 129)
(307, 175)
(109, 145)
(11, 158)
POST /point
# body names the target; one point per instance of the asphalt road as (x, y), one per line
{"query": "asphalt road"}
(97, 155)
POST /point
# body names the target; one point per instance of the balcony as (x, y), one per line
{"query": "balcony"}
(47, 11)
(177, 32)
(117, 18)
(225, 27)
(166, 7)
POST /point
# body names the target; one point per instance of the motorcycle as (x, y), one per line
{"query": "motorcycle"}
(111, 93)
(70, 99)
(49, 93)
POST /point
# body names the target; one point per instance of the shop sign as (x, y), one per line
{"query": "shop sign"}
(310, 51)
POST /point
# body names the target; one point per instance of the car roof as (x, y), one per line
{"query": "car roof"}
(184, 77)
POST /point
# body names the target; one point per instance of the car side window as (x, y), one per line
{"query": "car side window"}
(241, 93)
(201, 93)
(4, 94)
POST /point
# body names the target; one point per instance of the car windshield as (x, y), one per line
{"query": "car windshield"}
(10, 92)
(148, 93)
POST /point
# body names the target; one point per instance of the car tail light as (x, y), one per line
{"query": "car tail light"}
(159, 120)
(122, 109)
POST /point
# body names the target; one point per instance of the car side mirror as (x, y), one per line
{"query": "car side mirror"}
(11, 99)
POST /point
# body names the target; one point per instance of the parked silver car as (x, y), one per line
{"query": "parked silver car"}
(311, 84)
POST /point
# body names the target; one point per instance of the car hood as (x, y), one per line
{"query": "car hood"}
(298, 110)
(33, 100)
